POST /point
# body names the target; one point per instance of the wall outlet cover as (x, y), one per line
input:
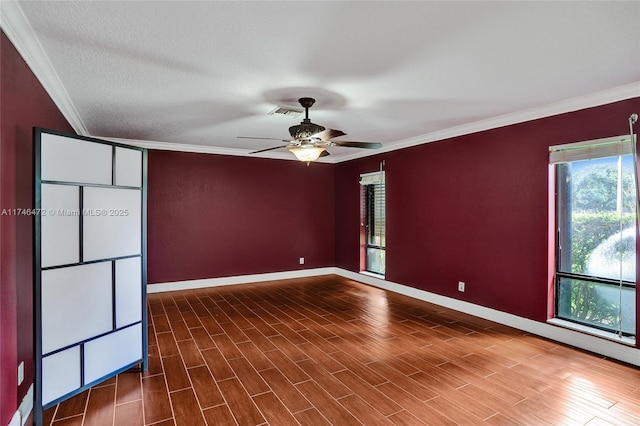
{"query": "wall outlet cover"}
(20, 373)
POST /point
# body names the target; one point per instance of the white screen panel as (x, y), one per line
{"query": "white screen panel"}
(112, 222)
(111, 352)
(60, 374)
(60, 236)
(128, 167)
(128, 291)
(76, 304)
(73, 160)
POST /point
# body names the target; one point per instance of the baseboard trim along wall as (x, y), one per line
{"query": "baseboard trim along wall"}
(15, 420)
(598, 345)
(573, 338)
(239, 279)
(26, 406)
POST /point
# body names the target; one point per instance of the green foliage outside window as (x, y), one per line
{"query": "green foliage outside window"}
(594, 217)
(586, 301)
(596, 190)
(589, 230)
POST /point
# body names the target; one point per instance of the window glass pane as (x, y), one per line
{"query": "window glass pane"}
(600, 305)
(596, 218)
(376, 260)
(375, 228)
(376, 215)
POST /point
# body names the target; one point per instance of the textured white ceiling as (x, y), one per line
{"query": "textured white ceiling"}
(203, 73)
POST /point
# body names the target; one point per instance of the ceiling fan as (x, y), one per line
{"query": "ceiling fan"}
(309, 140)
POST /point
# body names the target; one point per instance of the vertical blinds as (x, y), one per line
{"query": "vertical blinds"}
(378, 214)
(375, 207)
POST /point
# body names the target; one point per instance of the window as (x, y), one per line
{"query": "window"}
(596, 235)
(374, 220)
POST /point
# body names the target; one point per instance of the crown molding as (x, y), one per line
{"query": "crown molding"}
(204, 149)
(604, 97)
(18, 29)
(21, 33)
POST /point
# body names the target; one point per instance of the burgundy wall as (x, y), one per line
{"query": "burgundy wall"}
(216, 216)
(472, 208)
(23, 105)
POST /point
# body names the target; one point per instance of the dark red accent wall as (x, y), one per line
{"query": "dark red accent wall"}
(23, 104)
(217, 216)
(472, 208)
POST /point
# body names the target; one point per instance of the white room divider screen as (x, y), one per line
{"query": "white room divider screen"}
(89, 263)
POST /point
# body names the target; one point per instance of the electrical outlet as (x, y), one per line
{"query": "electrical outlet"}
(460, 285)
(302, 260)
(20, 373)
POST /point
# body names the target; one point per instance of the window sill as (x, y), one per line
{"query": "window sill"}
(629, 341)
(372, 274)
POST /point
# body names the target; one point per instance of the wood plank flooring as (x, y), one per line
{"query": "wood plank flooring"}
(331, 351)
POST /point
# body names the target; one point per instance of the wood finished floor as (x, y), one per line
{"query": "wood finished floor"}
(331, 351)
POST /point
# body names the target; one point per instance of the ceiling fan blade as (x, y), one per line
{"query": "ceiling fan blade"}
(266, 139)
(269, 149)
(328, 134)
(353, 144)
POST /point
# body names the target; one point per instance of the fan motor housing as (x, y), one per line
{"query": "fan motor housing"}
(305, 130)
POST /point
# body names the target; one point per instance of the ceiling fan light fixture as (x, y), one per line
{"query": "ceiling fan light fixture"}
(307, 153)
(309, 139)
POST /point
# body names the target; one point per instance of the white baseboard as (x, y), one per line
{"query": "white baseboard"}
(15, 420)
(240, 279)
(598, 345)
(26, 406)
